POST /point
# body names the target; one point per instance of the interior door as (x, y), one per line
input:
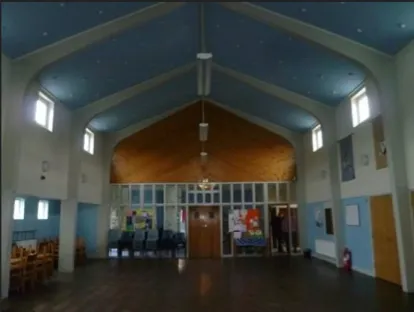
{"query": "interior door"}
(204, 233)
(384, 239)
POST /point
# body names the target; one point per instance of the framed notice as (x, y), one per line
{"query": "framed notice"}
(352, 215)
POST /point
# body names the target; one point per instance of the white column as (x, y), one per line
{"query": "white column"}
(301, 194)
(69, 207)
(329, 133)
(13, 116)
(7, 200)
(67, 235)
(105, 206)
(392, 110)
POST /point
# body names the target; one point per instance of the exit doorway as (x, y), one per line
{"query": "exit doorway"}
(284, 229)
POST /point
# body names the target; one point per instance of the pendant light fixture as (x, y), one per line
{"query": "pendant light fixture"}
(204, 62)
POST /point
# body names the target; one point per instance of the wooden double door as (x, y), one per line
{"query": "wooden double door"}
(204, 232)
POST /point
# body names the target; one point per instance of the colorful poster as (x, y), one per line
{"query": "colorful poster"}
(347, 159)
(245, 222)
(141, 218)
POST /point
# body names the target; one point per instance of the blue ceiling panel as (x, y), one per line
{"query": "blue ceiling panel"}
(238, 95)
(28, 26)
(118, 63)
(151, 103)
(258, 50)
(385, 26)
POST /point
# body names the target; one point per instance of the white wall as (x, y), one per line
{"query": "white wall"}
(39, 144)
(5, 77)
(91, 184)
(317, 178)
(405, 70)
(368, 181)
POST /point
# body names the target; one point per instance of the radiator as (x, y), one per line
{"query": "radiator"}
(325, 248)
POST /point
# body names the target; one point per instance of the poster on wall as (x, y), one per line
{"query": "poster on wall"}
(141, 218)
(352, 215)
(245, 222)
(380, 146)
(318, 218)
(347, 159)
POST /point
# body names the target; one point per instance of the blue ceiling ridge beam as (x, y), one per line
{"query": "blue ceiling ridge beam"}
(315, 108)
(52, 53)
(366, 57)
(91, 110)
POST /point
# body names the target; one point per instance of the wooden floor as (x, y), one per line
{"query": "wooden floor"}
(253, 284)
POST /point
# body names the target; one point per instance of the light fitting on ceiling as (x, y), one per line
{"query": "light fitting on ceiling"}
(204, 61)
(203, 157)
(203, 131)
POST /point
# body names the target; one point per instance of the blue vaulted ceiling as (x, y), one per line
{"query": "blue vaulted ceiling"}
(28, 26)
(273, 56)
(135, 56)
(238, 95)
(385, 26)
(171, 41)
(151, 103)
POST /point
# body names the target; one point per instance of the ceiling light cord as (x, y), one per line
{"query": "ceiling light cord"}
(202, 28)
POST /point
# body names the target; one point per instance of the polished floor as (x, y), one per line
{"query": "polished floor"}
(241, 285)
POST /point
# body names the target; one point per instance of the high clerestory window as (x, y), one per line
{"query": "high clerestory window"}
(317, 138)
(360, 107)
(44, 111)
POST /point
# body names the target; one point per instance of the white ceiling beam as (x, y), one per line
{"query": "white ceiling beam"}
(320, 111)
(89, 111)
(42, 57)
(366, 56)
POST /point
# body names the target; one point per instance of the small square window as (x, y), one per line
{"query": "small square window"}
(43, 210)
(44, 111)
(89, 141)
(317, 138)
(360, 107)
(18, 209)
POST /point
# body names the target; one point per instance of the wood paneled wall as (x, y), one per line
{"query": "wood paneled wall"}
(169, 151)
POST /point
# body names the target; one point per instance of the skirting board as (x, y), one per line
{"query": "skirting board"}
(324, 258)
(363, 271)
(332, 261)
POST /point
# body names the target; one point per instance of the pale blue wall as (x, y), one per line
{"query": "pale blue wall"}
(359, 238)
(315, 232)
(86, 226)
(44, 228)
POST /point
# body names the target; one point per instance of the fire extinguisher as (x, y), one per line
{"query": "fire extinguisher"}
(347, 256)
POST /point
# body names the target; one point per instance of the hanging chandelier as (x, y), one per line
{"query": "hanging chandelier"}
(206, 185)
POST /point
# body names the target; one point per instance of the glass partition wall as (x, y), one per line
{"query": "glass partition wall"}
(166, 205)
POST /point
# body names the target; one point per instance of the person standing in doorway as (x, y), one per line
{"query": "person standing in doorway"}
(294, 229)
(285, 231)
(276, 223)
